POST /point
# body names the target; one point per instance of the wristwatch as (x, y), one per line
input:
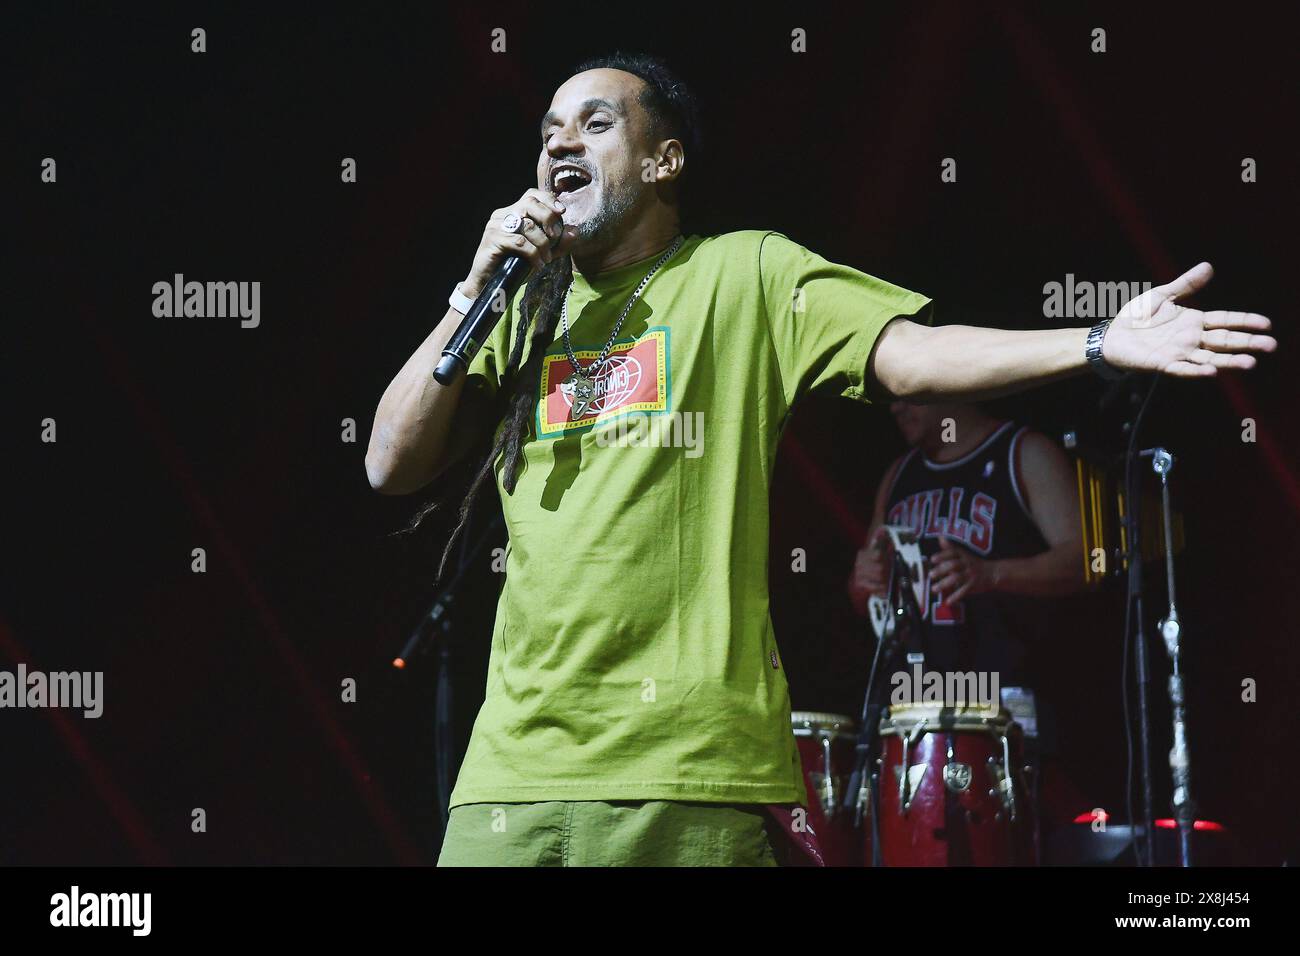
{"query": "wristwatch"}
(1093, 353)
(459, 300)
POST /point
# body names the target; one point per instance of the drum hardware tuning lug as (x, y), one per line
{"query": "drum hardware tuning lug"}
(909, 784)
(828, 779)
(864, 801)
(1009, 797)
(1009, 780)
(1004, 788)
(826, 793)
(905, 770)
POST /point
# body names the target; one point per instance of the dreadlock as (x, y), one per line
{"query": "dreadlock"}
(674, 113)
(543, 296)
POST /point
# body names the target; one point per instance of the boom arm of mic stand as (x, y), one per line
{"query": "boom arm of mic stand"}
(444, 597)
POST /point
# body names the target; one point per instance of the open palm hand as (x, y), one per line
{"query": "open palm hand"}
(1154, 333)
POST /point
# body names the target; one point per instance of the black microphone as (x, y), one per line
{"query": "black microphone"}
(481, 319)
(913, 636)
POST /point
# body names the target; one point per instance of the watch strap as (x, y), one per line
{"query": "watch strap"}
(459, 300)
(1092, 351)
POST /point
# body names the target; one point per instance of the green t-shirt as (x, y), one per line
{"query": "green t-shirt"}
(633, 655)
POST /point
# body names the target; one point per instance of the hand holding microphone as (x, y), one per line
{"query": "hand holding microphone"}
(541, 224)
(517, 239)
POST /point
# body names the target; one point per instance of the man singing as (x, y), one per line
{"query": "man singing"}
(636, 708)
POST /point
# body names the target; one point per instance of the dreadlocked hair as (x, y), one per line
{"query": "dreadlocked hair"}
(517, 394)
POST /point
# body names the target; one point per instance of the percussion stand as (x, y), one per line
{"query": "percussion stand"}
(1162, 462)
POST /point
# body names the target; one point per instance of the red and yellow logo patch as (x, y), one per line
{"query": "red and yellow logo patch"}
(633, 379)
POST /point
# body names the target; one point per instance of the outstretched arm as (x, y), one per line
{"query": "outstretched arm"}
(1151, 333)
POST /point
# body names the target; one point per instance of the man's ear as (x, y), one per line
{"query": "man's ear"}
(670, 160)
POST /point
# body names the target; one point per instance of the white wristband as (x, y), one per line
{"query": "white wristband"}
(459, 300)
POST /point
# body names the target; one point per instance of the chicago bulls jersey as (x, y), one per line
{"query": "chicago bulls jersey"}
(977, 502)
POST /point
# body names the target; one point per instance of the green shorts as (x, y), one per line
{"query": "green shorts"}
(592, 833)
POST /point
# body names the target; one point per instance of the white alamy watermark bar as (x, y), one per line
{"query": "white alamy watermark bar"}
(78, 909)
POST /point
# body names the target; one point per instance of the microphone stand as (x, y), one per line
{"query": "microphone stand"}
(1133, 492)
(902, 604)
(438, 620)
(1171, 630)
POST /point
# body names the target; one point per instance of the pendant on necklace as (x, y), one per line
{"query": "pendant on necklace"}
(581, 391)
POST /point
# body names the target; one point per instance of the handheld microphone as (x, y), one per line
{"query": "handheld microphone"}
(481, 319)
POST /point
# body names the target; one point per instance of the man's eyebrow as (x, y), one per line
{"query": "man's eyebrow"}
(587, 106)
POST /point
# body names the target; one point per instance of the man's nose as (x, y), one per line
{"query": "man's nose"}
(563, 142)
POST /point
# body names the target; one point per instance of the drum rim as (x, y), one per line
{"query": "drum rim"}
(822, 722)
(976, 719)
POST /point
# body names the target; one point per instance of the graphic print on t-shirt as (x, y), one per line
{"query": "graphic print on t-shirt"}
(635, 378)
(976, 503)
(924, 513)
(938, 512)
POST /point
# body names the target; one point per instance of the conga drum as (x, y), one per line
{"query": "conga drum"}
(826, 747)
(953, 788)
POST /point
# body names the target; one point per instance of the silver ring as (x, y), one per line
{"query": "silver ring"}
(513, 223)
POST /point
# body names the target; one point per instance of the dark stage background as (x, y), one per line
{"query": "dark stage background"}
(223, 688)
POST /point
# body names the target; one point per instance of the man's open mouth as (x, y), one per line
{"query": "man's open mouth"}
(569, 179)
